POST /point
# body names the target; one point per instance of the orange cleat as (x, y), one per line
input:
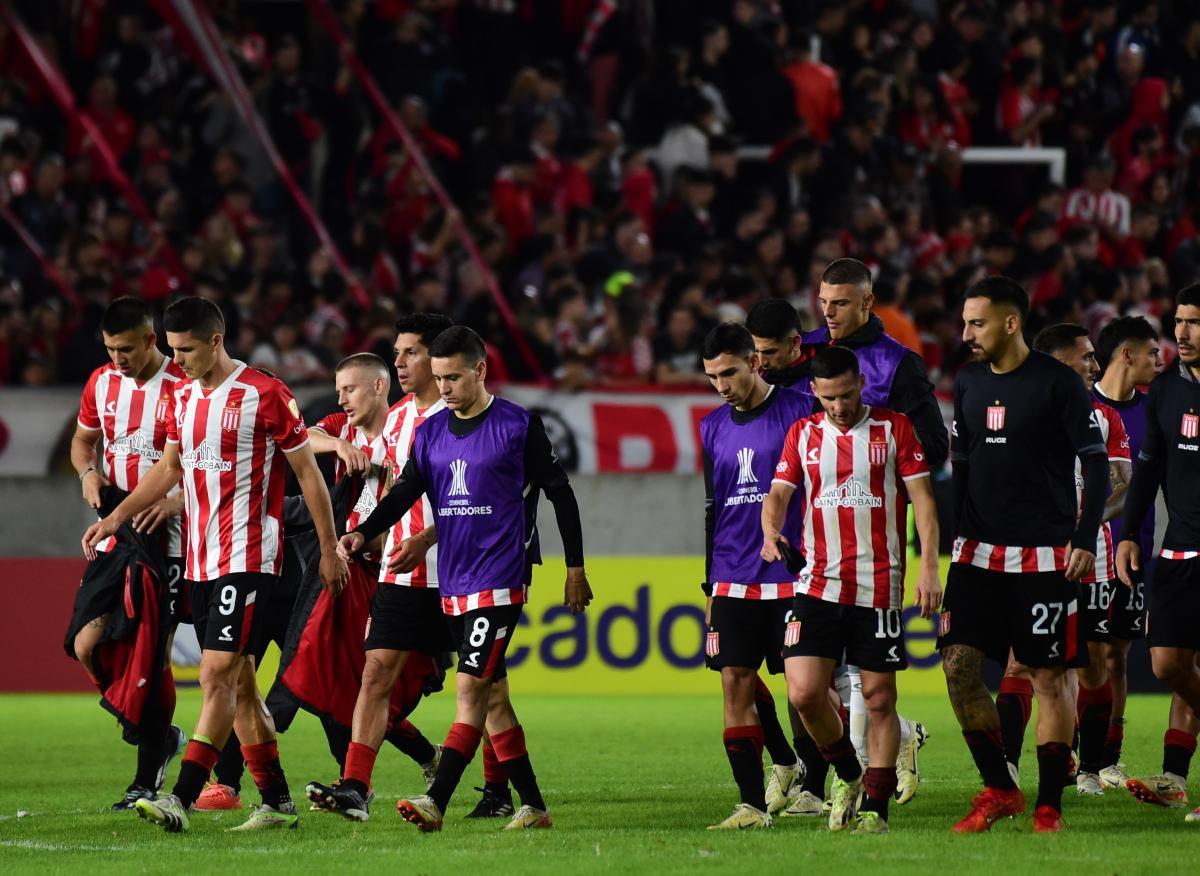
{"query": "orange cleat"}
(216, 796)
(989, 807)
(1047, 819)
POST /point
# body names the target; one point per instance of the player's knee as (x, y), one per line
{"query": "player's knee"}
(1116, 661)
(1051, 685)
(378, 676)
(808, 698)
(84, 649)
(738, 683)
(219, 677)
(1168, 668)
(881, 702)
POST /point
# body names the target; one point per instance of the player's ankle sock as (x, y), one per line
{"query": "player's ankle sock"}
(743, 747)
(880, 785)
(152, 738)
(198, 761)
(494, 776)
(230, 765)
(1113, 741)
(360, 763)
(1094, 707)
(512, 754)
(774, 738)
(987, 748)
(1053, 758)
(1178, 748)
(842, 757)
(457, 751)
(262, 759)
(816, 767)
(1014, 702)
(410, 741)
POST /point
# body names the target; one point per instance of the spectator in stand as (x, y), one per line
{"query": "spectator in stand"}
(689, 226)
(929, 123)
(1096, 202)
(685, 142)
(677, 350)
(513, 196)
(286, 358)
(1022, 111)
(818, 93)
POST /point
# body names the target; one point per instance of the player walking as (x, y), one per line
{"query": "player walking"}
(1021, 418)
(859, 466)
(230, 424)
(751, 599)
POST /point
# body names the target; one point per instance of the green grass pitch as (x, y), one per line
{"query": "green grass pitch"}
(631, 782)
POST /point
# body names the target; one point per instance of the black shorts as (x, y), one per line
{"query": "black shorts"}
(1095, 610)
(481, 637)
(1036, 614)
(870, 638)
(1127, 611)
(178, 609)
(231, 613)
(744, 632)
(1174, 617)
(407, 619)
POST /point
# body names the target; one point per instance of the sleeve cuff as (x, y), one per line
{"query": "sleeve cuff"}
(299, 446)
(915, 477)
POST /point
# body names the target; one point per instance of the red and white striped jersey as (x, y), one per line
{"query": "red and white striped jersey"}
(229, 440)
(856, 519)
(132, 419)
(401, 429)
(339, 426)
(1117, 444)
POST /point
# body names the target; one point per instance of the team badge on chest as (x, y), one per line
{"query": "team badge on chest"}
(995, 417)
(877, 452)
(231, 416)
(1190, 427)
(160, 410)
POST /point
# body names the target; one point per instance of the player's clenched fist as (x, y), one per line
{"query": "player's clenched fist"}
(577, 593)
(349, 544)
(1129, 561)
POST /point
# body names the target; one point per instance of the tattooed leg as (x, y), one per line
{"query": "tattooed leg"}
(88, 638)
(972, 704)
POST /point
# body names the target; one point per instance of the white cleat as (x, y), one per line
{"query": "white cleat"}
(1114, 776)
(429, 770)
(1014, 773)
(805, 803)
(844, 803)
(1088, 785)
(781, 785)
(528, 818)
(744, 817)
(168, 812)
(269, 818)
(907, 775)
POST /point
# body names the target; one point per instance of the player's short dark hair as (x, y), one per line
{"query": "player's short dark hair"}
(1120, 331)
(1188, 296)
(728, 337)
(773, 318)
(196, 316)
(1001, 290)
(364, 360)
(458, 341)
(847, 272)
(126, 314)
(1055, 338)
(833, 362)
(427, 325)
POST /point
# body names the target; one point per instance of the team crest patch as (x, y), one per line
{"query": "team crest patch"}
(1190, 427)
(294, 408)
(160, 410)
(995, 418)
(231, 416)
(877, 452)
(712, 644)
(943, 623)
(791, 635)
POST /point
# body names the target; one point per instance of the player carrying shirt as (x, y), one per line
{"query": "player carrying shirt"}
(859, 466)
(482, 463)
(230, 426)
(751, 599)
(124, 409)
(1020, 420)
(1170, 459)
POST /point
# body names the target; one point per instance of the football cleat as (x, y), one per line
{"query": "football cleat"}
(782, 780)
(1114, 776)
(869, 822)
(1167, 790)
(493, 804)
(907, 776)
(173, 747)
(217, 796)
(1014, 773)
(268, 818)
(422, 812)
(167, 812)
(988, 807)
(844, 803)
(1088, 785)
(804, 803)
(528, 818)
(429, 770)
(339, 798)
(1047, 819)
(744, 817)
(132, 794)
(1193, 817)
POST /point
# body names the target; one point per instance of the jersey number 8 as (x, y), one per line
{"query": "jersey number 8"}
(479, 631)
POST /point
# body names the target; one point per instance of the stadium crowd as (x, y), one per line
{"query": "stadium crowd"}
(597, 153)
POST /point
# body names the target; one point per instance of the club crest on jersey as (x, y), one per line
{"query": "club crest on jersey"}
(231, 416)
(995, 417)
(458, 478)
(745, 458)
(160, 410)
(712, 644)
(877, 452)
(1190, 427)
(791, 635)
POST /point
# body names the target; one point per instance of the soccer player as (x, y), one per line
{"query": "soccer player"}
(126, 404)
(1020, 420)
(230, 427)
(859, 466)
(1128, 351)
(1170, 458)
(1069, 343)
(751, 600)
(482, 462)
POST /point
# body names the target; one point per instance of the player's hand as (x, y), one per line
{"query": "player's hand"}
(334, 571)
(355, 460)
(929, 592)
(349, 544)
(1080, 563)
(91, 487)
(1129, 561)
(157, 514)
(98, 532)
(578, 592)
(408, 556)
(770, 549)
